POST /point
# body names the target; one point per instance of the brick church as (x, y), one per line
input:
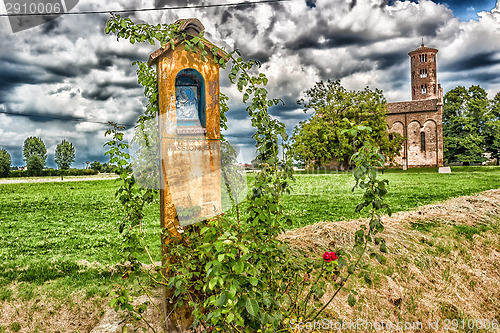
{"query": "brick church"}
(420, 120)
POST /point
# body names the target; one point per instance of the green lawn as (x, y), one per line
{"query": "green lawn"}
(46, 228)
(329, 196)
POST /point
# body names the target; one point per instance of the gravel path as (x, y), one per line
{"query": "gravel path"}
(57, 179)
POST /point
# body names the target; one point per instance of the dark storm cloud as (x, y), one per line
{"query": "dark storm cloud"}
(225, 17)
(331, 39)
(482, 78)
(387, 60)
(108, 56)
(37, 116)
(60, 90)
(68, 70)
(105, 90)
(12, 77)
(285, 109)
(97, 94)
(311, 3)
(174, 3)
(17, 75)
(337, 72)
(237, 113)
(428, 27)
(473, 61)
(260, 55)
(50, 26)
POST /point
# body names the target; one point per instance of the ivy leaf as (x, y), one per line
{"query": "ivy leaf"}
(252, 307)
(253, 281)
(238, 267)
(212, 283)
(221, 300)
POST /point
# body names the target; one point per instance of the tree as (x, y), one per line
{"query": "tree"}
(65, 155)
(468, 125)
(492, 132)
(35, 164)
(321, 139)
(5, 162)
(96, 165)
(35, 154)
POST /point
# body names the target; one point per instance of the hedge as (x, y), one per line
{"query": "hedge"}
(55, 172)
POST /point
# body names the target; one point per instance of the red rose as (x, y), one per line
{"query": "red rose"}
(329, 256)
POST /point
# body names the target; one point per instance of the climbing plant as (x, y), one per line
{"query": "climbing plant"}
(238, 276)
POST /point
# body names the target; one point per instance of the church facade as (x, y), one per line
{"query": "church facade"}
(421, 119)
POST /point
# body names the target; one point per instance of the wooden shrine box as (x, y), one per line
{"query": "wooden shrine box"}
(189, 125)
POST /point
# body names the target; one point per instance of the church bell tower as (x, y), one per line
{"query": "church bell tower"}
(424, 73)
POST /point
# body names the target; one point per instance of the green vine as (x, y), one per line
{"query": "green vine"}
(238, 277)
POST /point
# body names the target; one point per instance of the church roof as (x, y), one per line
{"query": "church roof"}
(423, 49)
(413, 106)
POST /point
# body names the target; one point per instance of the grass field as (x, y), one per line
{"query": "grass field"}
(46, 228)
(328, 197)
(60, 238)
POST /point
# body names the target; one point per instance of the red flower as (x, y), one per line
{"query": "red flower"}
(329, 256)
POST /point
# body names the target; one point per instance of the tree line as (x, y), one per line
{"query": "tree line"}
(35, 156)
(471, 126)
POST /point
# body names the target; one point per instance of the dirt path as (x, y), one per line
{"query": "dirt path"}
(57, 179)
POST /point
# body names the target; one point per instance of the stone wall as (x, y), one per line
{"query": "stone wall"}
(421, 123)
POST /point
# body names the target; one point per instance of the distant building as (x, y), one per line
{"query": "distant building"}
(421, 119)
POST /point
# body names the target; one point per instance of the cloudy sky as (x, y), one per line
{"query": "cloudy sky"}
(69, 69)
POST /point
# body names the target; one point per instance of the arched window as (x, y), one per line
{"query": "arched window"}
(190, 102)
(422, 141)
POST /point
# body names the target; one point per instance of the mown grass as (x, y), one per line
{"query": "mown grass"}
(47, 229)
(61, 239)
(65, 233)
(329, 197)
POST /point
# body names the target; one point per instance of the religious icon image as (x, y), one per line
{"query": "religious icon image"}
(186, 102)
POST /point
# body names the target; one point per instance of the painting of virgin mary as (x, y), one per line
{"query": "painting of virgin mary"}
(186, 102)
